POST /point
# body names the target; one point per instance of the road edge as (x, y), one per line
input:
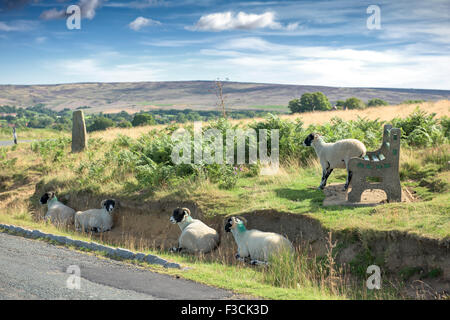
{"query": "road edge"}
(111, 252)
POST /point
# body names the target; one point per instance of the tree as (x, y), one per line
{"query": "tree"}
(294, 106)
(340, 104)
(100, 123)
(143, 119)
(124, 124)
(310, 102)
(354, 103)
(218, 90)
(376, 102)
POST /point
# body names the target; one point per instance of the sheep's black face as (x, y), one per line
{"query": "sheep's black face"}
(178, 215)
(228, 225)
(109, 205)
(309, 139)
(47, 196)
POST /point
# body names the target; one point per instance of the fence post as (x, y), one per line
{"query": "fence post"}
(79, 135)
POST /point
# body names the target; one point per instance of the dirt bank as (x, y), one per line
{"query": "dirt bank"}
(146, 225)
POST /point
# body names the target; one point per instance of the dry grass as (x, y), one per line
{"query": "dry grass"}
(385, 113)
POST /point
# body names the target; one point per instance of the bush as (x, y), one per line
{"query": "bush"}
(354, 103)
(143, 119)
(310, 102)
(376, 102)
(124, 124)
(100, 123)
(412, 101)
(420, 129)
(445, 123)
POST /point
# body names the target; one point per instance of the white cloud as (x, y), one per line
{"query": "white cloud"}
(87, 7)
(141, 22)
(255, 59)
(138, 4)
(242, 21)
(99, 70)
(53, 14)
(18, 25)
(40, 40)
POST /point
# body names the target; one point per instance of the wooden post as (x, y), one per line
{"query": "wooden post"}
(79, 135)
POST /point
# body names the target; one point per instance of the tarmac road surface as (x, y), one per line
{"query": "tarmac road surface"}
(33, 269)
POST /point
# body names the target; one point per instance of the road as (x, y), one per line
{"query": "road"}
(10, 143)
(33, 269)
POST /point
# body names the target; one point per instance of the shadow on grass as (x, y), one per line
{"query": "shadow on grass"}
(298, 195)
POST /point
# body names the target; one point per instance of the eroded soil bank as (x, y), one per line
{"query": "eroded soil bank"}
(146, 225)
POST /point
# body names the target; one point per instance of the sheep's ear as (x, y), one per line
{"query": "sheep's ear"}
(244, 221)
(51, 194)
(316, 136)
(186, 211)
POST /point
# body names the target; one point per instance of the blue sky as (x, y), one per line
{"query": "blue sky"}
(290, 42)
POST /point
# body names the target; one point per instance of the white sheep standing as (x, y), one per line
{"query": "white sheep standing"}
(195, 236)
(335, 155)
(57, 212)
(257, 245)
(96, 220)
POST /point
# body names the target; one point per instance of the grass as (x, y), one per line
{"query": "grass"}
(24, 174)
(441, 108)
(30, 134)
(268, 107)
(310, 281)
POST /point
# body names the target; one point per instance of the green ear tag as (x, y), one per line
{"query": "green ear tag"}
(241, 227)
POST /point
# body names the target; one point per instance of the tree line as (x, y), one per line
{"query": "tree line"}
(317, 101)
(39, 116)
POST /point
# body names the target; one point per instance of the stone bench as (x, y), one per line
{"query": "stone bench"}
(382, 164)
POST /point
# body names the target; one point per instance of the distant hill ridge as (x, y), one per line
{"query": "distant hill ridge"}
(135, 96)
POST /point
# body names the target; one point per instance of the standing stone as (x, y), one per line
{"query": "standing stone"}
(79, 135)
(14, 135)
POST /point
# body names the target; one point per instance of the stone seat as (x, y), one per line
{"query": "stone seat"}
(382, 164)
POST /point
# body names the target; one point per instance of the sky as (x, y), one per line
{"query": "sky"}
(311, 42)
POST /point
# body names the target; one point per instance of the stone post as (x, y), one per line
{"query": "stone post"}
(79, 135)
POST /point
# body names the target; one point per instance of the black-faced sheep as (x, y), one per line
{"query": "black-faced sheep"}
(335, 155)
(259, 246)
(96, 220)
(57, 212)
(195, 236)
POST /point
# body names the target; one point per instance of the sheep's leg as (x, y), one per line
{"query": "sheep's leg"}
(322, 183)
(175, 249)
(329, 171)
(258, 262)
(239, 258)
(349, 178)
(325, 174)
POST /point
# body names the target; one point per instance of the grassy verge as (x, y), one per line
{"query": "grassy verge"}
(311, 279)
(31, 134)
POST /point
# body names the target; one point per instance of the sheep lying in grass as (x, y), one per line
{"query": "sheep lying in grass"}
(259, 246)
(195, 236)
(57, 212)
(96, 220)
(335, 155)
